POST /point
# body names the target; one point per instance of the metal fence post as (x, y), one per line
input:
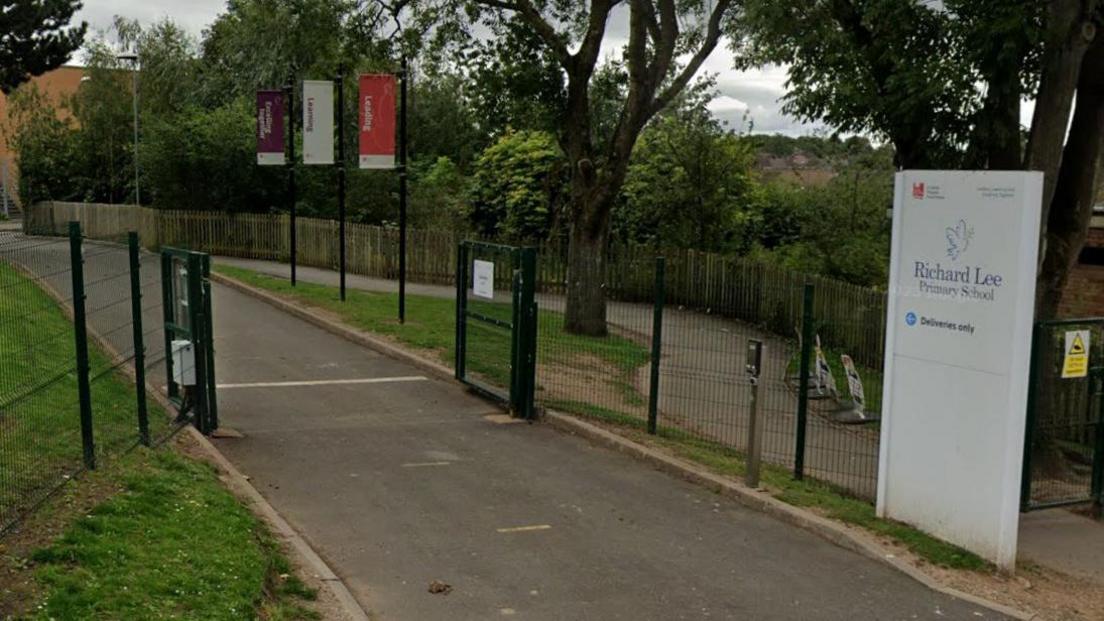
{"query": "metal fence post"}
(168, 316)
(1031, 417)
(1098, 451)
(657, 342)
(528, 347)
(198, 325)
(807, 336)
(80, 333)
(139, 336)
(209, 331)
(461, 308)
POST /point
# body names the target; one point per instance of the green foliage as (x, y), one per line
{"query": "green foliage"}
(44, 147)
(36, 38)
(438, 195)
(689, 185)
(838, 230)
(206, 159)
(518, 185)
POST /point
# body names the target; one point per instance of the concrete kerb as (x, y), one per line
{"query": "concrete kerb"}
(838, 534)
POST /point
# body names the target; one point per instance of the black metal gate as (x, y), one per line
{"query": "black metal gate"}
(189, 336)
(496, 335)
(1064, 443)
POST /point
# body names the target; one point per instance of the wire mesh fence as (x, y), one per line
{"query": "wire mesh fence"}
(68, 402)
(1064, 456)
(701, 387)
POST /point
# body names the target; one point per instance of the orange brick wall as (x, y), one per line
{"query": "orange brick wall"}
(1084, 294)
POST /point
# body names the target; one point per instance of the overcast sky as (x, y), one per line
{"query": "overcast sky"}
(739, 91)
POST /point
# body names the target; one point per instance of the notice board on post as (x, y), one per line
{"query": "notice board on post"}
(958, 349)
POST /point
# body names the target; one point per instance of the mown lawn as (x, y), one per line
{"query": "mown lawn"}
(431, 325)
(170, 543)
(174, 544)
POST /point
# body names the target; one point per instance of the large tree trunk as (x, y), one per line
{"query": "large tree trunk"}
(1069, 33)
(1075, 190)
(586, 281)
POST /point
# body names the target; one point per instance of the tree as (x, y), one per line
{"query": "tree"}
(660, 32)
(689, 185)
(868, 66)
(516, 186)
(35, 38)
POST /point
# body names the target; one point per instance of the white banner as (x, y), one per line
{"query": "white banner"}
(318, 122)
(958, 349)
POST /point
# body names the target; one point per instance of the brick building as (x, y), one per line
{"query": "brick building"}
(56, 85)
(1084, 295)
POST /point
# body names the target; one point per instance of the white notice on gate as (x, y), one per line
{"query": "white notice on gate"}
(483, 279)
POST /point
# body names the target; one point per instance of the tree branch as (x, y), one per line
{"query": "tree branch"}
(712, 36)
(544, 30)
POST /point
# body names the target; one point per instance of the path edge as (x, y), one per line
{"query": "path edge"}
(833, 532)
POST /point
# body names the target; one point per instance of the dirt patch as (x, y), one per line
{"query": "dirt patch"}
(592, 380)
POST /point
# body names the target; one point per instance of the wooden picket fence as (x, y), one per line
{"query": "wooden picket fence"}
(849, 317)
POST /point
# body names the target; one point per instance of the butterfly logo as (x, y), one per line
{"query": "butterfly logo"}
(958, 239)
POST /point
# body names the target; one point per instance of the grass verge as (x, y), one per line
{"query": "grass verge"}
(820, 497)
(172, 544)
(431, 325)
(153, 534)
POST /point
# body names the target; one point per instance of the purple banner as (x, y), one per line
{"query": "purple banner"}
(270, 128)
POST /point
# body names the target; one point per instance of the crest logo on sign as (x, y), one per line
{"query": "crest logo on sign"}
(958, 239)
(918, 190)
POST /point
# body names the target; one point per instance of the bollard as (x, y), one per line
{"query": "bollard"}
(754, 445)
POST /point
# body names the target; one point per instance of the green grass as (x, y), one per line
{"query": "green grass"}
(174, 544)
(431, 324)
(38, 395)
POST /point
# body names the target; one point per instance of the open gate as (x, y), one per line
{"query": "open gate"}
(1064, 443)
(496, 322)
(189, 337)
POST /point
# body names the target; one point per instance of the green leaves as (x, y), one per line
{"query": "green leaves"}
(36, 38)
(518, 185)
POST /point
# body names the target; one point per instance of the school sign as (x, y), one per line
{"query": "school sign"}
(958, 343)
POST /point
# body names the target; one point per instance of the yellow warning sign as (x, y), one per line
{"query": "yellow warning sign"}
(1076, 361)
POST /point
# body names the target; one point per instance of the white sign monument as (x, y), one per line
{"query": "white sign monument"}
(958, 347)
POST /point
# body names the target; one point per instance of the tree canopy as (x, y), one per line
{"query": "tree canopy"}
(36, 38)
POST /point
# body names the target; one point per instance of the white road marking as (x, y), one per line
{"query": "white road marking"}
(426, 464)
(366, 380)
(524, 529)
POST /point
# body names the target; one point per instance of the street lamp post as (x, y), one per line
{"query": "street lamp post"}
(133, 58)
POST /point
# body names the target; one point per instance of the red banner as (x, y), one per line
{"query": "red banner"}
(377, 121)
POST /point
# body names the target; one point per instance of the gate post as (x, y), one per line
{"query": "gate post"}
(198, 327)
(527, 373)
(209, 345)
(461, 309)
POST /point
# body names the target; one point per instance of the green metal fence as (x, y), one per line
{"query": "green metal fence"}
(1064, 444)
(74, 336)
(496, 322)
(189, 335)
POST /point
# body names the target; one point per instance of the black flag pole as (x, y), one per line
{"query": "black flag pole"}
(403, 77)
(341, 169)
(289, 96)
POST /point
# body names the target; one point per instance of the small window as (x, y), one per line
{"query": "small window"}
(1091, 255)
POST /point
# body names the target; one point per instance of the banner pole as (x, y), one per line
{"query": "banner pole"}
(402, 192)
(289, 97)
(341, 168)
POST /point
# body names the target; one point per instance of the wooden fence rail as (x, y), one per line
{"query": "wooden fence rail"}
(850, 317)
